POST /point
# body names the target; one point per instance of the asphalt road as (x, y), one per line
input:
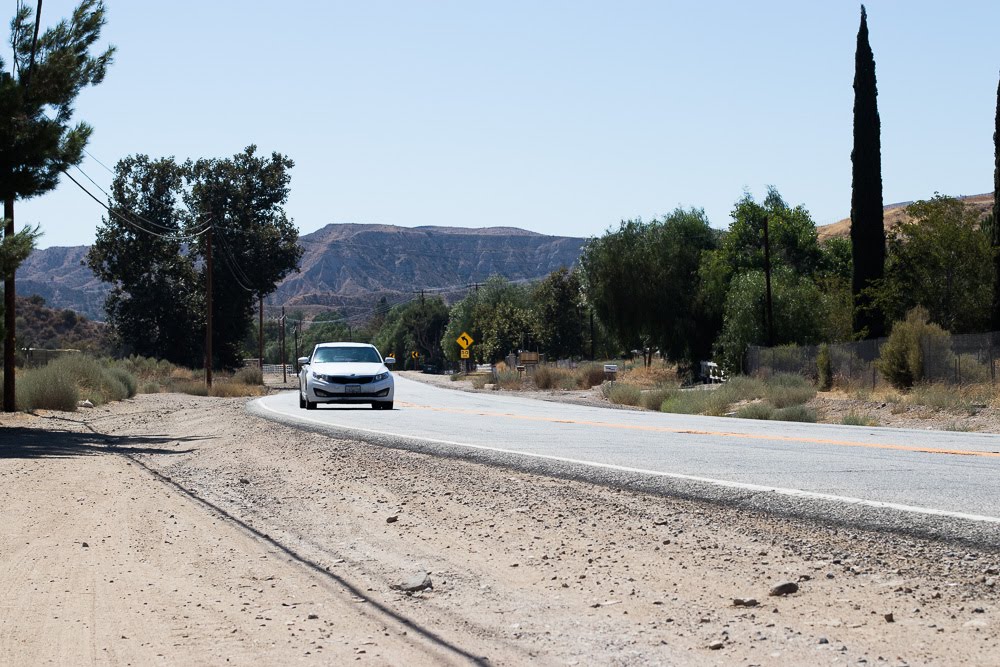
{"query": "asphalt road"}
(944, 483)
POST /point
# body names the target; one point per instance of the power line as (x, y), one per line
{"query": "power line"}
(130, 223)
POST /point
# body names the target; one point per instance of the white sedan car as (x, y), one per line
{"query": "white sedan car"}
(345, 373)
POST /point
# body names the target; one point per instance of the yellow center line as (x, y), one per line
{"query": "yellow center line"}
(721, 434)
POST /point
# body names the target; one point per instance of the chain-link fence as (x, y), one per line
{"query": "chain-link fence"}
(957, 359)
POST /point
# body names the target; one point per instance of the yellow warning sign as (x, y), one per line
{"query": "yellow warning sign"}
(464, 341)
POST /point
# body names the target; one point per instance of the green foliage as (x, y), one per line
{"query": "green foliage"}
(795, 413)
(867, 224)
(558, 315)
(416, 326)
(41, 327)
(654, 398)
(642, 281)
(157, 303)
(942, 261)
(508, 379)
(824, 368)
(758, 410)
(798, 314)
(786, 389)
(499, 318)
(71, 377)
(857, 419)
(902, 357)
(620, 393)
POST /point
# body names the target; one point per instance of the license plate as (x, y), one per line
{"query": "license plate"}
(352, 389)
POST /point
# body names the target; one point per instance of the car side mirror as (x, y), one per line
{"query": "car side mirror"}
(303, 361)
(389, 361)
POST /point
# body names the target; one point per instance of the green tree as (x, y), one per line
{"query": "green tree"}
(37, 141)
(643, 282)
(559, 314)
(154, 305)
(798, 313)
(255, 244)
(939, 260)
(416, 326)
(498, 317)
(867, 224)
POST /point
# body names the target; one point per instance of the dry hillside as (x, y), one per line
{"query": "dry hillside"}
(896, 213)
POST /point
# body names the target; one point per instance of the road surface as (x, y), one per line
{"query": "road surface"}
(907, 479)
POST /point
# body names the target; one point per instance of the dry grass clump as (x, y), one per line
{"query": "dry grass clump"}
(553, 377)
(510, 380)
(657, 375)
(621, 393)
(234, 389)
(853, 418)
(64, 381)
(251, 375)
(589, 375)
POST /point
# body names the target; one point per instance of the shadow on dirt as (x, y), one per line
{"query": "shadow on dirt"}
(34, 443)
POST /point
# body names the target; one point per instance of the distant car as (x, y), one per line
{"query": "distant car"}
(346, 373)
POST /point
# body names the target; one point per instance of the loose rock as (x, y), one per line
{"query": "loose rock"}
(745, 602)
(785, 588)
(414, 584)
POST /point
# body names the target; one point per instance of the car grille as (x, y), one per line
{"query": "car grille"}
(347, 379)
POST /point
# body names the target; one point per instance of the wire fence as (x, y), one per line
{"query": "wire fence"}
(957, 360)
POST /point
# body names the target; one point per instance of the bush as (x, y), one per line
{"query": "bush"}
(550, 377)
(653, 399)
(795, 413)
(620, 393)
(231, 389)
(786, 389)
(590, 375)
(824, 368)
(855, 419)
(509, 379)
(755, 411)
(192, 387)
(150, 388)
(250, 375)
(690, 402)
(128, 380)
(901, 360)
(46, 388)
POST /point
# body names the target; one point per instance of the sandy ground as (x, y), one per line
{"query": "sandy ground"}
(173, 529)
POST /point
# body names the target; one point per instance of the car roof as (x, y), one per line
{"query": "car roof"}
(342, 344)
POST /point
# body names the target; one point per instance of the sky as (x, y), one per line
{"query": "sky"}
(561, 117)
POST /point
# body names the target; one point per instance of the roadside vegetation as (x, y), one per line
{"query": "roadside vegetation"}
(69, 379)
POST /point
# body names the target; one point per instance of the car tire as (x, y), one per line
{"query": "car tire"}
(302, 401)
(386, 406)
(310, 405)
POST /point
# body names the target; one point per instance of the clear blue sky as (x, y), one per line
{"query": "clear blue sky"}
(561, 117)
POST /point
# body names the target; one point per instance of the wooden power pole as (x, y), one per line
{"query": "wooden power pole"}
(208, 306)
(9, 316)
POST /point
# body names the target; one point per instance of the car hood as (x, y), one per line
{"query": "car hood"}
(347, 368)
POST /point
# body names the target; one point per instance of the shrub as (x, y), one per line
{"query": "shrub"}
(590, 375)
(742, 388)
(46, 388)
(759, 410)
(653, 399)
(795, 413)
(856, 419)
(97, 381)
(509, 379)
(480, 381)
(549, 377)
(150, 388)
(824, 368)
(128, 380)
(787, 389)
(231, 388)
(192, 387)
(620, 393)
(250, 375)
(902, 357)
(690, 402)
(943, 397)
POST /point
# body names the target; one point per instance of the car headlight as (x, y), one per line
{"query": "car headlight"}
(316, 376)
(381, 376)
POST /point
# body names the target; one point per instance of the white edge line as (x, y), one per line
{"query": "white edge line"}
(744, 486)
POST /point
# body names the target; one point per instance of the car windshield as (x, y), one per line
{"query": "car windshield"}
(364, 355)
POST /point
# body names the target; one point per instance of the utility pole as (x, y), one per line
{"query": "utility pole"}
(591, 334)
(769, 309)
(208, 304)
(9, 316)
(297, 325)
(284, 369)
(260, 331)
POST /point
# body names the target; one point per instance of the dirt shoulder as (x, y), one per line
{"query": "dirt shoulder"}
(212, 535)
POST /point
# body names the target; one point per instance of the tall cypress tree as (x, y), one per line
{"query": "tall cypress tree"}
(995, 221)
(867, 225)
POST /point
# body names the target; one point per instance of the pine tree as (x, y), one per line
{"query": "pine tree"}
(867, 225)
(37, 142)
(995, 221)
